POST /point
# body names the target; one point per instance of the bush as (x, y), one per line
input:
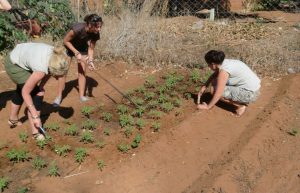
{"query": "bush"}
(56, 17)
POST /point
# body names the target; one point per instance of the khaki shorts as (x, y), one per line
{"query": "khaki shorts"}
(17, 74)
(240, 95)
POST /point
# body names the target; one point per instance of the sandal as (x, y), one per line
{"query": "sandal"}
(38, 136)
(14, 123)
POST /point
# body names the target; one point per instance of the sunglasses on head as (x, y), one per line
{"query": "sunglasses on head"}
(96, 19)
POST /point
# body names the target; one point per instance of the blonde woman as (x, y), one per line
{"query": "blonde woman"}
(80, 42)
(29, 65)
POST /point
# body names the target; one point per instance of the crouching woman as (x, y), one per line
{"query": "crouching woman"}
(29, 65)
(232, 81)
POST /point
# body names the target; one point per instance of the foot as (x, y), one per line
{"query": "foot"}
(240, 110)
(83, 99)
(57, 102)
(14, 123)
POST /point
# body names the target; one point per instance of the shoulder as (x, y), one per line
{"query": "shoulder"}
(78, 27)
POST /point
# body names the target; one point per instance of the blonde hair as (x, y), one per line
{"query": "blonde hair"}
(58, 64)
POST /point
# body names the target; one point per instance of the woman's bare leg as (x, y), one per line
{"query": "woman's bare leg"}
(81, 78)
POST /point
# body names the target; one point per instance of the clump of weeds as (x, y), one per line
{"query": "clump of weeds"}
(72, 130)
(140, 123)
(125, 120)
(53, 170)
(100, 144)
(87, 137)
(155, 126)
(3, 183)
(38, 163)
(101, 164)
(155, 114)
(167, 107)
(62, 150)
(23, 136)
(123, 147)
(87, 111)
(122, 109)
(89, 124)
(80, 154)
(293, 132)
(52, 126)
(17, 156)
(136, 141)
(106, 116)
(128, 130)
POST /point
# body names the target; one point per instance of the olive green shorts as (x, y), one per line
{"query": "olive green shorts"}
(17, 74)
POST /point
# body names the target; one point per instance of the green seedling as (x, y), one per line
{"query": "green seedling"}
(293, 132)
(126, 120)
(162, 89)
(17, 156)
(107, 131)
(177, 102)
(87, 137)
(53, 170)
(101, 165)
(3, 183)
(128, 130)
(23, 190)
(167, 107)
(136, 141)
(67, 122)
(87, 111)
(62, 150)
(187, 95)
(162, 98)
(130, 92)
(137, 101)
(23, 136)
(195, 76)
(149, 96)
(150, 82)
(89, 124)
(72, 130)
(152, 104)
(42, 143)
(138, 112)
(52, 126)
(155, 114)
(140, 123)
(38, 163)
(100, 144)
(122, 109)
(155, 126)
(107, 116)
(80, 154)
(140, 89)
(123, 147)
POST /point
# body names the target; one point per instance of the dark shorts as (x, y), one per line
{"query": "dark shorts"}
(82, 51)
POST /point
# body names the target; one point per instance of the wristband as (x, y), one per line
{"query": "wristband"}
(77, 53)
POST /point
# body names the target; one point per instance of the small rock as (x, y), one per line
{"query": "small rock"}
(291, 71)
(98, 182)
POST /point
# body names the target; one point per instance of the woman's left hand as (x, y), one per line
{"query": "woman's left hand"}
(202, 106)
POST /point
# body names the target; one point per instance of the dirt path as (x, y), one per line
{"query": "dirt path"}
(208, 152)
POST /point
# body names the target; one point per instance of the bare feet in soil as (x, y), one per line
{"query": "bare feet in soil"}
(240, 110)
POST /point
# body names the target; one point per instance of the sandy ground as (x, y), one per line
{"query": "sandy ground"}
(207, 152)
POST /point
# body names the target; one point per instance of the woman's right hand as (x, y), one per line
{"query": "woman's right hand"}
(203, 88)
(37, 122)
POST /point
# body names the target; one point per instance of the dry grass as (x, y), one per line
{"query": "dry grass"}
(270, 50)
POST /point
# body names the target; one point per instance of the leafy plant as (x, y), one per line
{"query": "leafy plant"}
(87, 137)
(3, 183)
(155, 126)
(187, 95)
(123, 147)
(150, 82)
(122, 109)
(155, 114)
(53, 170)
(152, 104)
(177, 102)
(89, 124)
(62, 150)
(137, 100)
(38, 163)
(195, 75)
(107, 131)
(162, 98)
(100, 144)
(130, 92)
(80, 154)
(42, 143)
(23, 136)
(17, 156)
(293, 132)
(107, 116)
(52, 126)
(140, 123)
(23, 190)
(167, 107)
(87, 111)
(149, 95)
(141, 89)
(126, 120)
(136, 141)
(72, 130)
(128, 130)
(101, 164)
(139, 111)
